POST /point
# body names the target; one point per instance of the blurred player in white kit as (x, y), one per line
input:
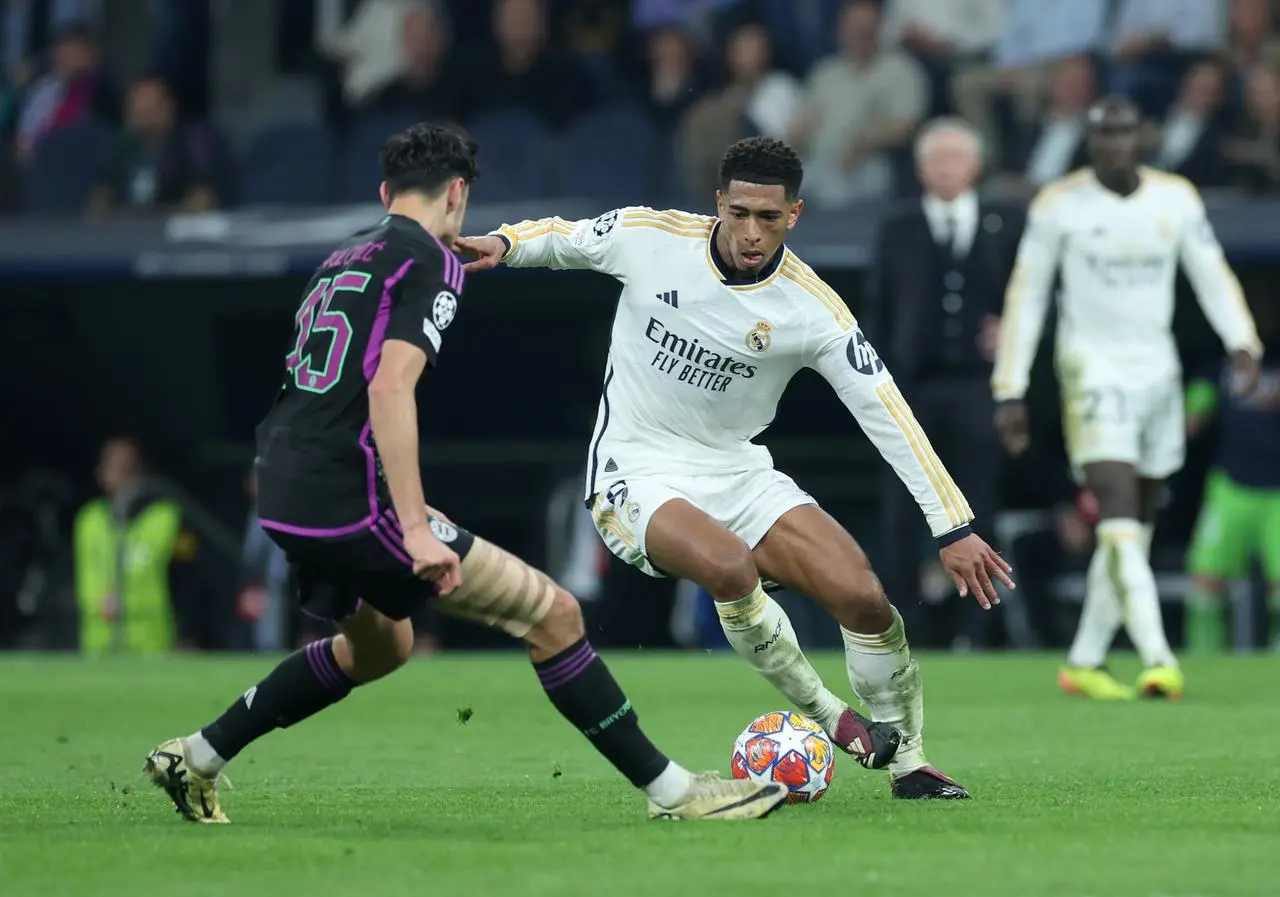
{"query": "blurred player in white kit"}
(716, 316)
(1117, 230)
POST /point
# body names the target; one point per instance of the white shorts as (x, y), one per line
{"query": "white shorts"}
(747, 503)
(1140, 425)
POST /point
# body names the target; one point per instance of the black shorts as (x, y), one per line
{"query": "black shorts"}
(332, 575)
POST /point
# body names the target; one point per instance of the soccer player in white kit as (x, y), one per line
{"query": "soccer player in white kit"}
(1117, 230)
(716, 316)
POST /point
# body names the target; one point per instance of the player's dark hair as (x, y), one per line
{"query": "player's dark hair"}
(426, 158)
(762, 160)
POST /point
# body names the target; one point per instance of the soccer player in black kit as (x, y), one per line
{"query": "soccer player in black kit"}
(340, 489)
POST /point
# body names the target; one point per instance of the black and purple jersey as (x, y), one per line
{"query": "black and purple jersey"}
(317, 466)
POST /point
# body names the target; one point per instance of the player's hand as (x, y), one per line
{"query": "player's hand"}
(432, 559)
(487, 252)
(1244, 373)
(972, 563)
(1011, 424)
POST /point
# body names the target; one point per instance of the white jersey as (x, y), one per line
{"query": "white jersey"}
(1119, 259)
(697, 364)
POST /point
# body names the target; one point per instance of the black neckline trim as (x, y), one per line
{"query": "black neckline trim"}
(727, 275)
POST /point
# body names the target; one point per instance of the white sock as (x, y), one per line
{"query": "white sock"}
(201, 756)
(1101, 617)
(1135, 582)
(762, 634)
(887, 680)
(670, 786)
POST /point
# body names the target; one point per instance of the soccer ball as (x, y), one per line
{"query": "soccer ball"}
(788, 748)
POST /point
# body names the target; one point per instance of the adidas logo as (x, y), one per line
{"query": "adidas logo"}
(671, 297)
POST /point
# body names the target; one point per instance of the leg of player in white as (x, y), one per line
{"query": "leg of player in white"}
(808, 551)
(779, 533)
(682, 540)
(1124, 443)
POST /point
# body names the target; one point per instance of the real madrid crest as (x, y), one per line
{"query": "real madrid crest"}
(760, 337)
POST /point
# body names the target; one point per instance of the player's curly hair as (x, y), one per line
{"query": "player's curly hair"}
(426, 158)
(762, 160)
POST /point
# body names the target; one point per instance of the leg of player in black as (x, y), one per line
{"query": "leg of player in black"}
(502, 591)
(498, 590)
(370, 645)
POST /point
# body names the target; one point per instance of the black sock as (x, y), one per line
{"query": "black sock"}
(304, 683)
(586, 694)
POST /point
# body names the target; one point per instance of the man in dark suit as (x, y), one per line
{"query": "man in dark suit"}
(940, 272)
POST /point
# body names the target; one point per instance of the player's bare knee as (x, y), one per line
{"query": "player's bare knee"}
(1115, 488)
(728, 571)
(380, 653)
(859, 602)
(561, 627)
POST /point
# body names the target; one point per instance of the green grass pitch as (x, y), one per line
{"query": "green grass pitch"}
(389, 794)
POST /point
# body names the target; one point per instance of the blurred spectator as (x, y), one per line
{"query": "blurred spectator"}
(1002, 98)
(25, 28)
(1152, 43)
(421, 85)
(771, 98)
(367, 48)
(76, 88)
(674, 82)
(943, 36)
(860, 107)
(129, 547)
(941, 268)
(1253, 149)
(1251, 36)
(1055, 144)
(757, 99)
(1188, 142)
(263, 601)
(523, 70)
(159, 163)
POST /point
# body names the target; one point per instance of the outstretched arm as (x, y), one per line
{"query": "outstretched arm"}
(591, 244)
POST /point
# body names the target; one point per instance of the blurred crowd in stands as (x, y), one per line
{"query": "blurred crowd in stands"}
(565, 93)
